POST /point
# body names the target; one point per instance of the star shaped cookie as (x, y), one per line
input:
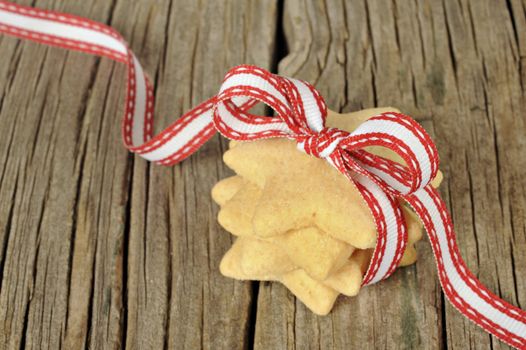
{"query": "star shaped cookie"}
(298, 220)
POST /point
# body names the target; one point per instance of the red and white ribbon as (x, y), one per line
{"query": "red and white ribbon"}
(300, 116)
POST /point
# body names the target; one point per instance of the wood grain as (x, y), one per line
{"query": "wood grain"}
(456, 67)
(99, 249)
(102, 250)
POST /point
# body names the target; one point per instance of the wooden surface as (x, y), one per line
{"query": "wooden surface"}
(100, 249)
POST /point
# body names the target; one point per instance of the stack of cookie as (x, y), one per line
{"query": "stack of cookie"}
(298, 220)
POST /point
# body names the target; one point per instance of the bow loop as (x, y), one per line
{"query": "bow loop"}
(299, 108)
(417, 156)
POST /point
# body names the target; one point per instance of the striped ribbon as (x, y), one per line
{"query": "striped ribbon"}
(300, 115)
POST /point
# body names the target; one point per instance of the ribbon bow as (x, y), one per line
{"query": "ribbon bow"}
(300, 115)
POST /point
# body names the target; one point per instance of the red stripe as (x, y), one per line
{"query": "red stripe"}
(129, 104)
(319, 101)
(148, 115)
(296, 121)
(379, 220)
(402, 236)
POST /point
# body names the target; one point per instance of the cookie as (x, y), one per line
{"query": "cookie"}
(250, 258)
(225, 189)
(311, 249)
(299, 221)
(314, 251)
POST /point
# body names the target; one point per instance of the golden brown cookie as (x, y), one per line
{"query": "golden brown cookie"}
(250, 258)
(299, 220)
(309, 248)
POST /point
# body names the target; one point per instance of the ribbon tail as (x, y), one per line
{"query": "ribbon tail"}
(179, 140)
(390, 224)
(462, 289)
(391, 230)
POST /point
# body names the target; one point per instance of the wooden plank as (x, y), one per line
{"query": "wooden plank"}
(456, 67)
(179, 297)
(488, 208)
(344, 67)
(45, 110)
(100, 249)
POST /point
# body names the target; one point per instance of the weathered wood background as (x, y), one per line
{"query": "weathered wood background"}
(100, 249)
